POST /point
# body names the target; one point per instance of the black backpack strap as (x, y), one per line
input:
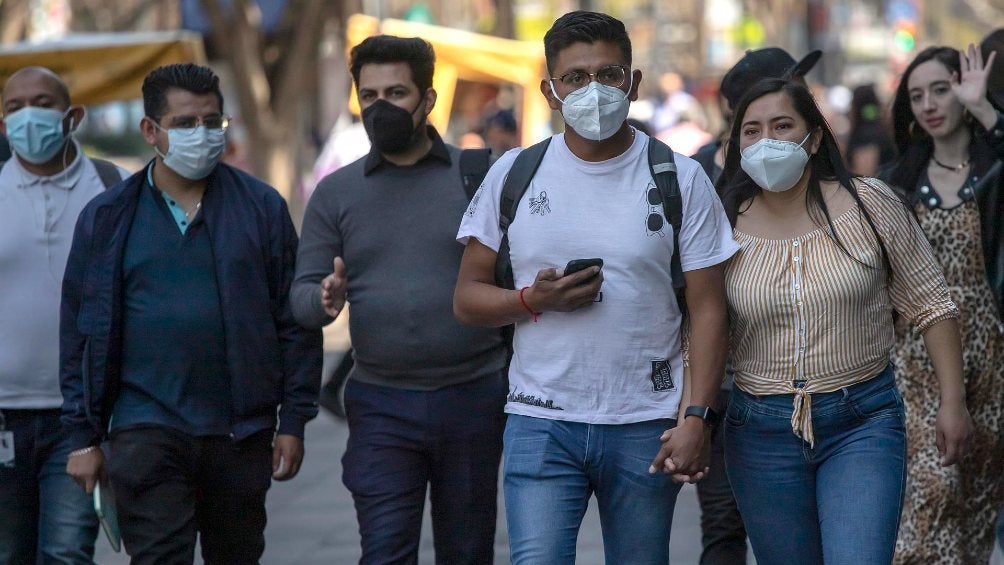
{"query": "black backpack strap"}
(663, 168)
(107, 172)
(473, 168)
(513, 188)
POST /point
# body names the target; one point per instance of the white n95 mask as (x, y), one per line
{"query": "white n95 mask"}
(595, 111)
(773, 164)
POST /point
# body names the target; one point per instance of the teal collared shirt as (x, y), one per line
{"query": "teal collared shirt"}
(177, 212)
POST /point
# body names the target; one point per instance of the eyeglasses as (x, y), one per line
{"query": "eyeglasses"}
(219, 122)
(655, 220)
(611, 75)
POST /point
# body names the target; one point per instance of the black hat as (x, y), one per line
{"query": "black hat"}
(769, 62)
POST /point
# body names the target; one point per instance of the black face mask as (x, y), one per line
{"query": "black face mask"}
(389, 127)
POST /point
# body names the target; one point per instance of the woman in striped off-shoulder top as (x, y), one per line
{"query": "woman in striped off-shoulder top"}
(814, 434)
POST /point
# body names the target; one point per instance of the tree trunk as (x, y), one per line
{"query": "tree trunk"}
(271, 112)
(14, 20)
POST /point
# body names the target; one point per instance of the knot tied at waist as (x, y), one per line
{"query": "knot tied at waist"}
(801, 416)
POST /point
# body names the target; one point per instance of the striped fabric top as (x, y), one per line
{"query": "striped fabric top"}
(808, 318)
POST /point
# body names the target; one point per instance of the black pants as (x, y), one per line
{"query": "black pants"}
(404, 443)
(723, 535)
(170, 487)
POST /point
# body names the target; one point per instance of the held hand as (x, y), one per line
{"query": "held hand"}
(86, 468)
(684, 453)
(552, 291)
(953, 429)
(333, 289)
(971, 87)
(287, 454)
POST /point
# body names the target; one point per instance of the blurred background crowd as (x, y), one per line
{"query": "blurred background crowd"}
(286, 84)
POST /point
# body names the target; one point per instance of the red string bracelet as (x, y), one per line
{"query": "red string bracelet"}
(533, 314)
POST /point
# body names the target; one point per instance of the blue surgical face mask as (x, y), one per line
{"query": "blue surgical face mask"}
(36, 134)
(193, 152)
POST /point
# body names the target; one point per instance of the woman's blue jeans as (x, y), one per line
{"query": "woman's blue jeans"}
(838, 503)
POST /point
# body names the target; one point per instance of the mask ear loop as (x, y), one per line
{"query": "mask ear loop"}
(550, 82)
(68, 136)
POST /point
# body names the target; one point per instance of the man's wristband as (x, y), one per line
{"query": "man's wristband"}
(522, 300)
(83, 451)
(705, 413)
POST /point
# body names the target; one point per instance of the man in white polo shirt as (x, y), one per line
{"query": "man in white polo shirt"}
(44, 516)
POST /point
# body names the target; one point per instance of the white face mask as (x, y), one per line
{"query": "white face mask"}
(595, 111)
(773, 164)
(193, 152)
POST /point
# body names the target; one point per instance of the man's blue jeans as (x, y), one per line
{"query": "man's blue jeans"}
(45, 516)
(552, 467)
(837, 503)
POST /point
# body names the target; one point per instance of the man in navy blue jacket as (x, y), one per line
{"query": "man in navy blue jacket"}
(178, 342)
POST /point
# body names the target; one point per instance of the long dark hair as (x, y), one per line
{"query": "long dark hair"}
(914, 145)
(737, 188)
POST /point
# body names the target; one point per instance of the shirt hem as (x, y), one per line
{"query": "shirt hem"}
(602, 419)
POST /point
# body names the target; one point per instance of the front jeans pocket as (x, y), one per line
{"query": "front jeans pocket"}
(883, 403)
(737, 414)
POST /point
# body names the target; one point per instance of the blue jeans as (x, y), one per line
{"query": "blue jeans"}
(405, 443)
(1000, 529)
(837, 503)
(45, 516)
(552, 467)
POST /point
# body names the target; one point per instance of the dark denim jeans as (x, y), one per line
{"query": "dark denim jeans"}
(405, 443)
(551, 469)
(837, 503)
(170, 487)
(45, 517)
(723, 536)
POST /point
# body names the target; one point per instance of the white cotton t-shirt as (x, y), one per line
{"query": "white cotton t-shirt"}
(617, 360)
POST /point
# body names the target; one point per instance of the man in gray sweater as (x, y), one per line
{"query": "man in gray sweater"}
(425, 397)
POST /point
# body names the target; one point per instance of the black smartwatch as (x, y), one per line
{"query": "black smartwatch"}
(705, 413)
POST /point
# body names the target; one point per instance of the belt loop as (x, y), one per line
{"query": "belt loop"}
(845, 393)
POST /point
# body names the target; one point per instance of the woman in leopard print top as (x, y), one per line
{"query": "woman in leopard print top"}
(951, 141)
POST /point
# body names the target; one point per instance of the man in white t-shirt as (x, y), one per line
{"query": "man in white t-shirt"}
(597, 372)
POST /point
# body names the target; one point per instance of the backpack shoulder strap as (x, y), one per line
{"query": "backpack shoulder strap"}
(473, 168)
(663, 168)
(513, 188)
(107, 172)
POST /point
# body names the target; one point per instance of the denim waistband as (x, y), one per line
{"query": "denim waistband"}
(881, 381)
(800, 406)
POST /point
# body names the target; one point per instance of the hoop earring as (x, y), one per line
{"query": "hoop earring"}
(909, 128)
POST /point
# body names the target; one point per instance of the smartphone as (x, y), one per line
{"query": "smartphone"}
(576, 265)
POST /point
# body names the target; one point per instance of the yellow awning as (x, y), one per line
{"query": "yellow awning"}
(103, 67)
